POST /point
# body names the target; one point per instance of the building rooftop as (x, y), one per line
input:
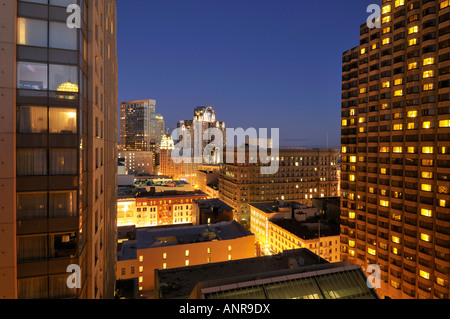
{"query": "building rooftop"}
(273, 207)
(307, 230)
(293, 274)
(211, 204)
(160, 236)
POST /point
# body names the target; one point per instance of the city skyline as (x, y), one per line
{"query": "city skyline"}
(250, 59)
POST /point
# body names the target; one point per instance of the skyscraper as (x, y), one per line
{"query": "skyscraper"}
(137, 125)
(58, 171)
(395, 144)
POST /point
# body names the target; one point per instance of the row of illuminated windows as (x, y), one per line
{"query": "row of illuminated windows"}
(41, 162)
(39, 119)
(400, 127)
(41, 247)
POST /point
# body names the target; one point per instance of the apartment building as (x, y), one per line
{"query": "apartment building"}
(58, 166)
(395, 149)
(287, 225)
(302, 175)
(152, 248)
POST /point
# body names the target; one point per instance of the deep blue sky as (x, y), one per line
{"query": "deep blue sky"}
(259, 63)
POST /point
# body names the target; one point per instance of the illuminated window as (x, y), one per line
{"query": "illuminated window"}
(374, 46)
(362, 90)
(229, 257)
(352, 159)
(440, 281)
(398, 93)
(428, 175)
(229, 248)
(386, 19)
(412, 126)
(444, 4)
(443, 150)
(386, 41)
(208, 250)
(442, 203)
(426, 212)
(412, 42)
(164, 255)
(362, 120)
(371, 190)
(426, 187)
(384, 203)
(384, 149)
(428, 61)
(397, 217)
(351, 243)
(428, 86)
(386, 9)
(344, 122)
(385, 106)
(397, 149)
(427, 150)
(186, 263)
(141, 258)
(362, 129)
(383, 171)
(363, 51)
(411, 114)
(186, 253)
(351, 215)
(414, 29)
(398, 81)
(395, 250)
(427, 124)
(141, 279)
(386, 84)
(344, 149)
(141, 268)
(428, 74)
(164, 265)
(395, 284)
(351, 178)
(395, 239)
(371, 251)
(425, 237)
(399, 3)
(397, 127)
(386, 30)
(412, 66)
(351, 252)
(444, 123)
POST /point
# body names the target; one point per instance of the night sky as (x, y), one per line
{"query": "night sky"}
(258, 63)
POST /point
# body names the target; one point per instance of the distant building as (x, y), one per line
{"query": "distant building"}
(137, 125)
(293, 274)
(204, 118)
(290, 225)
(302, 174)
(138, 162)
(144, 250)
(210, 211)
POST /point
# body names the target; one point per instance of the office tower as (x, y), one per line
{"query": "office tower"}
(395, 143)
(137, 125)
(302, 174)
(167, 166)
(204, 118)
(159, 129)
(58, 171)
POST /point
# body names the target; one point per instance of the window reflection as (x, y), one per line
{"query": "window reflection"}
(32, 76)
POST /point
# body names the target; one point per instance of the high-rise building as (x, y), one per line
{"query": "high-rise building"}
(204, 119)
(159, 129)
(395, 144)
(137, 125)
(302, 175)
(58, 166)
